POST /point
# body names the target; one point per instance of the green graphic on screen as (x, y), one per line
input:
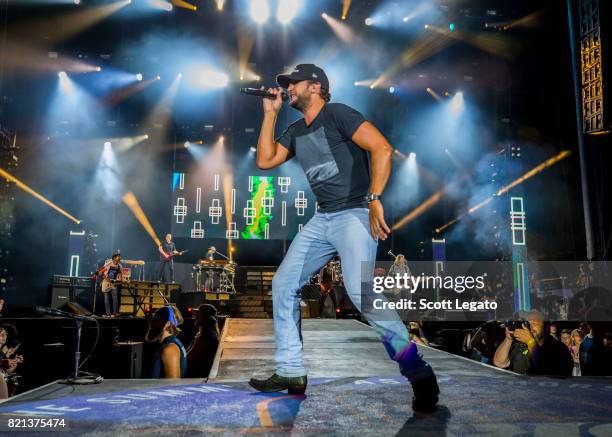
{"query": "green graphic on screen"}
(262, 198)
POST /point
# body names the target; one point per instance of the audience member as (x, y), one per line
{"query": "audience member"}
(576, 339)
(595, 357)
(553, 331)
(566, 338)
(532, 350)
(171, 358)
(8, 364)
(202, 350)
(607, 340)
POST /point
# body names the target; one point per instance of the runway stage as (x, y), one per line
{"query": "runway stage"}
(354, 390)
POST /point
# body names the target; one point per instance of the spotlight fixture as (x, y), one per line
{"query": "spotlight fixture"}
(259, 11)
(369, 21)
(186, 144)
(287, 10)
(157, 77)
(391, 89)
(107, 144)
(62, 75)
(323, 15)
(253, 149)
(77, 2)
(98, 68)
(139, 77)
(179, 75)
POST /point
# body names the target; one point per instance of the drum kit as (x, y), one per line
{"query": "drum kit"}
(214, 275)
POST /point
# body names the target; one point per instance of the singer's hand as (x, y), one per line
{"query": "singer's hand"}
(273, 105)
(378, 226)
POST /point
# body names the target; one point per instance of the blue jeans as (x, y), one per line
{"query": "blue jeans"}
(348, 234)
(107, 301)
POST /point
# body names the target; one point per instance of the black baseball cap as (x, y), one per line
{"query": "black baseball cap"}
(304, 72)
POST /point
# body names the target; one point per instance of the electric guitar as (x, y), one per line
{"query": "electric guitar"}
(169, 256)
(109, 284)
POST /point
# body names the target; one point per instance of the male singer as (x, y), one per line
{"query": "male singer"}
(347, 162)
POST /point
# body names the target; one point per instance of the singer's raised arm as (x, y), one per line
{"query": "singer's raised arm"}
(271, 153)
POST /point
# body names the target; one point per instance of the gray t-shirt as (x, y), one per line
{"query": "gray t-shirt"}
(337, 169)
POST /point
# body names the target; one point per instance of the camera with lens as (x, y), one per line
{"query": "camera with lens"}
(516, 324)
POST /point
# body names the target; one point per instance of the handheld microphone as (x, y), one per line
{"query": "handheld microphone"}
(262, 93)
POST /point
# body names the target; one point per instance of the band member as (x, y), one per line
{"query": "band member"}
(332, 143)
(399, 267)
(210, 254)
(326, 284)
(167, 250)
(171, 358)
(111, 276)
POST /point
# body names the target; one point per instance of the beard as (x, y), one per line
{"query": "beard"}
(301, 102)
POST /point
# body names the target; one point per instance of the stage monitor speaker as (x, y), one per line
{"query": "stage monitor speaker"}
(60, 296)
(75, 308)
(127, 360)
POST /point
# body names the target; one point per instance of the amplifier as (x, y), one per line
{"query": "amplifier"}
(82, 281)
(60, 296)
(66, 289)
(61, 281)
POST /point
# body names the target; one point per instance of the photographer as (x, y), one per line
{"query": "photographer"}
(531, 350)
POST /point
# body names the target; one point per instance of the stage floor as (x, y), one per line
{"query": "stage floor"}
(361, 394)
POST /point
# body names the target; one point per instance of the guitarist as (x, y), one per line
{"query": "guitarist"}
(111, 275)
(167, 250)
(326, 284)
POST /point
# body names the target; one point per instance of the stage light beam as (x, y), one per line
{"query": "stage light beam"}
(183, 4)
(63, 26)
(456, 104)
(132, 203)
(346, 5)
(9, 177)
(534, 171)
(434, 94)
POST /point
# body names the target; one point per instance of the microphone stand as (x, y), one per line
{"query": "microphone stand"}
(77, 377)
